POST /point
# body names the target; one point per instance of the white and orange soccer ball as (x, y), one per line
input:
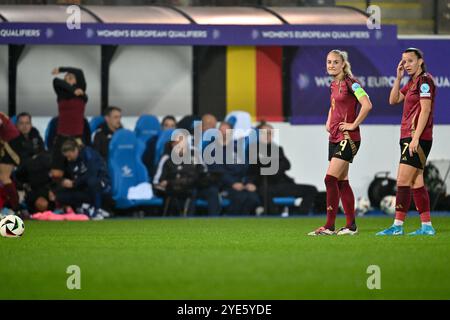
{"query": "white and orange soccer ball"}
(11, 226)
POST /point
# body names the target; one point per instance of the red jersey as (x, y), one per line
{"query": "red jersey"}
(71, 117)
(8, 130)
(344, 108)
(420, 88)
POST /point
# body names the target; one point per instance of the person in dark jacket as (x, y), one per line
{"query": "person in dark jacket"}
(30, 141)
(33, 176)
(72, 99)
(278, 184)
(86, 178)
(234, 180)
(103, 135)
(176, 181)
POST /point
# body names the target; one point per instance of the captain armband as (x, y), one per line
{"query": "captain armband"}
(358, 91)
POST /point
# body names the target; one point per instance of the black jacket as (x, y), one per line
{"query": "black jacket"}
(230, 173)
(103, 136)
(66, 91)
(280, 176)
(29, 145)
(181, 178)
(89, 166)
(34, 172)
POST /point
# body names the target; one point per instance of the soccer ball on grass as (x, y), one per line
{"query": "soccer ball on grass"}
(11, 226)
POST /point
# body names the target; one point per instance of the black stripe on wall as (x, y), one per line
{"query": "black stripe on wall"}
(288, 56)
(209, 80)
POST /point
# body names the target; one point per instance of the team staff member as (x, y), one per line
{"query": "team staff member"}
(278, 184)
(30, 141)
(103, 135)
(344, 140)
(87, 179)
(9, 158)
(72, 99)
(415, 140)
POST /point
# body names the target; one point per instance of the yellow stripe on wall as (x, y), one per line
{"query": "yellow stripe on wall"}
(241, 79)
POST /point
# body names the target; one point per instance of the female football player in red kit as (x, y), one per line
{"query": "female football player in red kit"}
(344, 140)
(415, 140)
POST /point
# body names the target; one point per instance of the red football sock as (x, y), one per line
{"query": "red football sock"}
(402, 202)
(12, 196)
(422, 201)
(348, 202)
(331, 184)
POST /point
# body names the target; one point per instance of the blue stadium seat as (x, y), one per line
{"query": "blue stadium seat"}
(96, 122)
(50, 132)
(147, 127)
(240, 120)
(127, 170)
(284, 201)
(225, 202)
(13, 119)
(163, 138)
(201, 203)
(147, 130)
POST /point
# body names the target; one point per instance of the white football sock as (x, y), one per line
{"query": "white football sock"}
(398, 222)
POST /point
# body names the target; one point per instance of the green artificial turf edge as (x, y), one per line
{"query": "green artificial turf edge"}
(223, 258)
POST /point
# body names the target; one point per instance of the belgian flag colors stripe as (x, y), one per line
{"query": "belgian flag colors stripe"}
(239, 78)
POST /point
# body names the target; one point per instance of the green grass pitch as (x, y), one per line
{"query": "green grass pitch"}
(223, 258)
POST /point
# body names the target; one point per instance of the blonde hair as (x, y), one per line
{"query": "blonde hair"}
(347, 65)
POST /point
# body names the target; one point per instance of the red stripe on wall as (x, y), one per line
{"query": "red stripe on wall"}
(269, 83)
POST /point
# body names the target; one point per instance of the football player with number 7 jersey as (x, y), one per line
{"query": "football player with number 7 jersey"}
(415, 140)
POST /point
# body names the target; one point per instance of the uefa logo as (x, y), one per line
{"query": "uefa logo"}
(303, 81)
(49, 33)
(89, 33)
(216, 34)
